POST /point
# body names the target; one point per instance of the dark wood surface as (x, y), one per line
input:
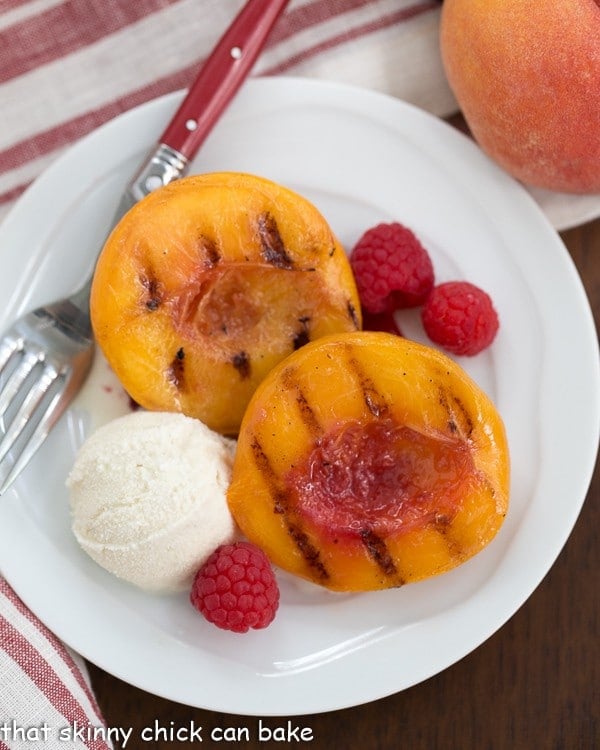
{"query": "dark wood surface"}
(534, 685)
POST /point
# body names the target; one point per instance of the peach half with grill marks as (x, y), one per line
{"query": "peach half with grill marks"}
(207, 283)
(367, 461)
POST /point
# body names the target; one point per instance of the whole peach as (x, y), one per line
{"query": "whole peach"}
(526, 76)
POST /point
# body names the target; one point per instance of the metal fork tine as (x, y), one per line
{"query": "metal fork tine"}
(9, 347)
(35, 441)
(16, 380)
(30, 403)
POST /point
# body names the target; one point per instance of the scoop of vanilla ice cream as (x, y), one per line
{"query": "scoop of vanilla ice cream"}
(147, 494)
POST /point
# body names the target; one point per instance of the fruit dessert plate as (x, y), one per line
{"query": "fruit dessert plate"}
(361, 158)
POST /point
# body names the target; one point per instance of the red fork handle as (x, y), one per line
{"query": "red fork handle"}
(221, 76)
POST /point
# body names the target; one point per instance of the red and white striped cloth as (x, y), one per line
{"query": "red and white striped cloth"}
(66, 67)
(45, 698)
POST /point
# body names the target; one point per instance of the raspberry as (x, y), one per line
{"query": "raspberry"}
(236, 588)
(460, 317)
(392, 268)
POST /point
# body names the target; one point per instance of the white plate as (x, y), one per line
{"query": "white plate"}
(361, 157)
(566, 210)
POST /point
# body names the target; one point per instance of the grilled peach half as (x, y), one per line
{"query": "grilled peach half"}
(366, 461)
(209, 282)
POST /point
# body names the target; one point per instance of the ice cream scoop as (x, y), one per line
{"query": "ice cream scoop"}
(147, 495)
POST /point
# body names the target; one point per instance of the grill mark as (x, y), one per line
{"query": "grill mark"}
(353, 315)
(455, 410)
(273, 249)
(154, 292)
(308, 551)
(379, 552)
(498, 501)
(262, 461)
(443, 401)
(373, 399)
(176, 370)
(442, 523)
(241, 362)
(307, 414)
(468, 422)
(210, 250)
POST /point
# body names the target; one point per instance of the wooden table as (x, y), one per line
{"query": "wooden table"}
(534, 685)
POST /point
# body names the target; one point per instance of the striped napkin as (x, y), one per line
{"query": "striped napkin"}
(67, 66)
(45, 697)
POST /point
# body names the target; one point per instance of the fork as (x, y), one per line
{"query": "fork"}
(45, 355)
